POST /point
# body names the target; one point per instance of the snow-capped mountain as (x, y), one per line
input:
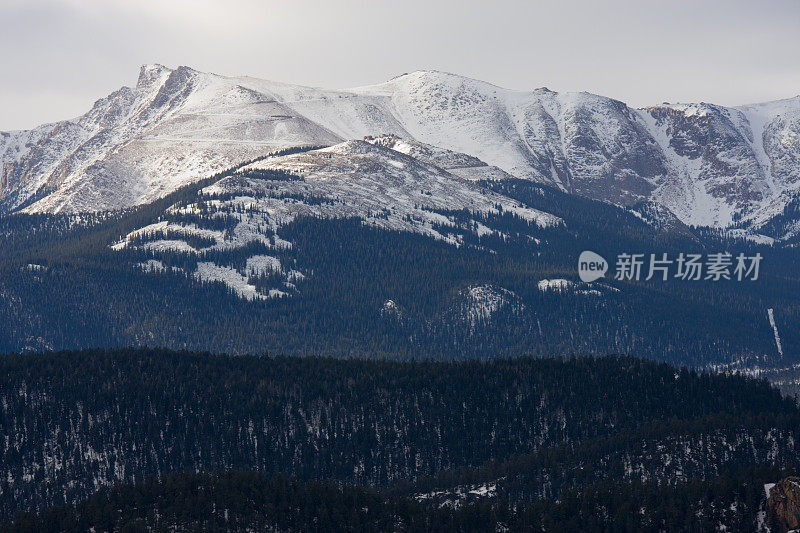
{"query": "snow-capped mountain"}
(709, 165)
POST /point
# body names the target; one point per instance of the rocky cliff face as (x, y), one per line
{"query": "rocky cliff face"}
(708, 165)
(783, 506)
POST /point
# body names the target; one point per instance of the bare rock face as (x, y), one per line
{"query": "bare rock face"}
(783, 506)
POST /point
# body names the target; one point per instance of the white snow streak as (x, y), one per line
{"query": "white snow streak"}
(775, 330)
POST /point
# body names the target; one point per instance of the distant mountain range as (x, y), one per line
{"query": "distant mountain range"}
(708, 165)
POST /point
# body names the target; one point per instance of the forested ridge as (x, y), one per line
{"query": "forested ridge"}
(62, 287)
(543, 432)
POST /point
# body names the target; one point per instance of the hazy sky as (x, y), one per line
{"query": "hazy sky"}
(58, 56)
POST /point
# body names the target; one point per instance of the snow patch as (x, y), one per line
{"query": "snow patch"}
(259, 265)
(210, 272)
(556, 285)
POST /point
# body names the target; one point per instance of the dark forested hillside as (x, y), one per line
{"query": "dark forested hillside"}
(365, 291)
(247, 501)
(536, 428)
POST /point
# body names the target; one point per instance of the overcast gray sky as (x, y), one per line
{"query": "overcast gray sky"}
(58, 56)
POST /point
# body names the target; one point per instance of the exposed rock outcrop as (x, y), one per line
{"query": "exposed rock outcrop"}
(783, 506)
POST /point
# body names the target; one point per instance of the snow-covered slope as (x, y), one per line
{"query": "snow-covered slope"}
(463, 165)
(725, 163)
(363, 180)
(371, 182)
(137, 144)
(709, 165)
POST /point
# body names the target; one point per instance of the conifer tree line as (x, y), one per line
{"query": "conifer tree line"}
(198, 440)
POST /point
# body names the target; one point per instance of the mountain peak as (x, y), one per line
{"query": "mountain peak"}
(436, 75)
(424, 80)
(417, 73)
(149, 74)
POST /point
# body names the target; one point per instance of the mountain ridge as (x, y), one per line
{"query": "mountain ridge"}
(709, 165)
